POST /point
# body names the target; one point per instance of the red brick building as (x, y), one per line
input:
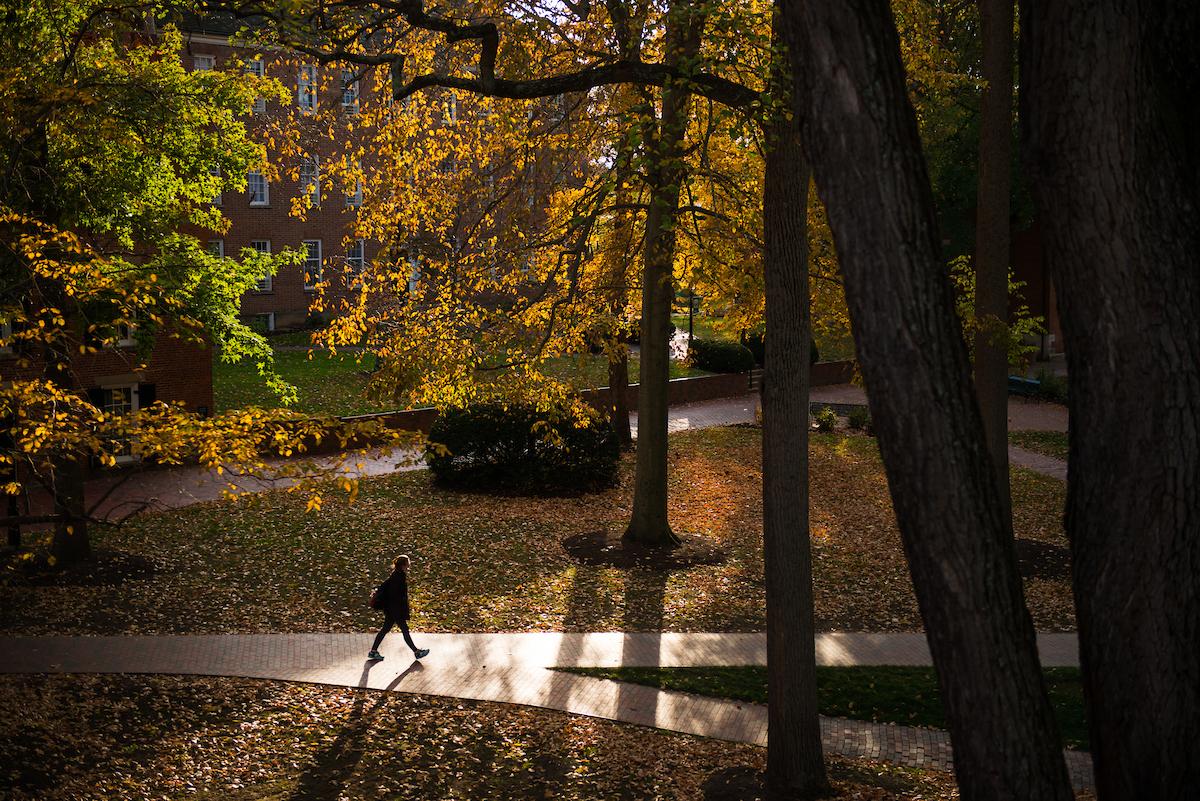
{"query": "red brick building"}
(261, 218)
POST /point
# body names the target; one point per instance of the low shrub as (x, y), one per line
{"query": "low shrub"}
(517, 448)
(721, 356)
(860, 418)
(1051, 386)
(757, 346)
(826, 419)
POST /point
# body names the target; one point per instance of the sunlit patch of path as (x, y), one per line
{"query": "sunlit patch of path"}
(513, 668)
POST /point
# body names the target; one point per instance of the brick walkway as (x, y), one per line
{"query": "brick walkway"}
(512, 668)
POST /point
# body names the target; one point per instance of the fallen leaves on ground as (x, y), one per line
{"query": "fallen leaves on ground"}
(485, 563)
(153, 737)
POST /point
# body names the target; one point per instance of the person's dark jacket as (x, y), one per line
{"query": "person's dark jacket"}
(395, 595)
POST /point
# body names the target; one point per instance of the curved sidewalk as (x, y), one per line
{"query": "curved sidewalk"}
(513, 668)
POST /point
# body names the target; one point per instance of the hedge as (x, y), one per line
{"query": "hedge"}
(517, 448)
(721, 356)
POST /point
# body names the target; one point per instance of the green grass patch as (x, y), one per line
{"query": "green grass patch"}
(332, 385)
(883, 694)
(1047, 443)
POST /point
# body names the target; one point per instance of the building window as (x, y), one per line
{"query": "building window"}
(354, 257)
(258, 69)
(450, 110)
(349, 92)
(310, 179)
(312, 263)
(204, 63)
(306, 88)
(262, 246)
(216, 173)
(216, 247)
(262, 323)
(125, 335)
(116, 401)
(355, 199)
(414, 274)
(259, 189)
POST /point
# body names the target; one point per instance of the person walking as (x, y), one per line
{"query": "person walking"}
(394, 595)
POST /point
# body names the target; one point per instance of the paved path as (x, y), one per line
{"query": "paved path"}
(1039, 463)
(512, 668)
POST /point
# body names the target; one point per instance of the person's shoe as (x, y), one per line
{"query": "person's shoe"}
(374, 656)
(420, 653)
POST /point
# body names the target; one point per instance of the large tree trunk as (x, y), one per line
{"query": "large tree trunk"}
(992, 233)
(795, 767)
(1111, 110)
(860, 132)
(648, 523)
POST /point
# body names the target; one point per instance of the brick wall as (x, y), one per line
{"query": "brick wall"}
(177, 369)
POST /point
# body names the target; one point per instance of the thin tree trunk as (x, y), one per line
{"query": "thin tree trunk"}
(795, 767)
(860, 132)
(992, 234)
(70, 543)
(618, 387)
(1111, 110)
(648, 522)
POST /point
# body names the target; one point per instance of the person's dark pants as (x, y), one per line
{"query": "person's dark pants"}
(388, 622)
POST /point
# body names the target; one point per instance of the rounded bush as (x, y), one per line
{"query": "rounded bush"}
(721, 356)
(756, 343)
(517, 448)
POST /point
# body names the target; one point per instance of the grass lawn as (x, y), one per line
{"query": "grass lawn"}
(209, 739)
(884, 694)
(1048, 443)
(484, 563)
(327, 385)
(336, 385)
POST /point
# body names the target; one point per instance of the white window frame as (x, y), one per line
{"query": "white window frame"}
(266, 189)
(265, 284)
(219, 250)
(134, 405)
(450, 110)
(216, 199)
(258, 68)
(355, 200)
(306, 88)
(125, 337)
(349, 92)
(414, 274)
(270, 319)
(311, 279)
(310, 184)
(204, 62)
(356, 264)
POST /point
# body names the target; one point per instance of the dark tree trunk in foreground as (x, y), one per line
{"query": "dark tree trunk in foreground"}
(795, 767)
(992, 233)
(860, 132)
(1111, 112)
(648, 523)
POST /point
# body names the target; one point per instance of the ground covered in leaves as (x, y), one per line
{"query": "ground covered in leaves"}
(143, 737)
(484, 563)
(1047, 443)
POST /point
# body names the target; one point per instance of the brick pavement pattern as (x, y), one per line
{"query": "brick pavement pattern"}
(512, 668)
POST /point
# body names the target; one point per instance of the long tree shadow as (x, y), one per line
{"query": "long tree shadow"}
(330, 771)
